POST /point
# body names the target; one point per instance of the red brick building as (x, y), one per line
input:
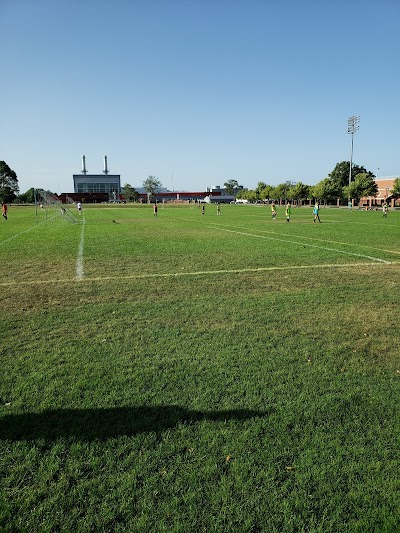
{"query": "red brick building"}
(385, 185)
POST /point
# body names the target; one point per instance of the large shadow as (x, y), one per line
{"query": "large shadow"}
(90, 424)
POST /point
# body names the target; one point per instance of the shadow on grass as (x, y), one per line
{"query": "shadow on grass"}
(90, 424)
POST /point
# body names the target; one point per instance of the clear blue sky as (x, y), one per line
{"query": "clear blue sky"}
(201, 90)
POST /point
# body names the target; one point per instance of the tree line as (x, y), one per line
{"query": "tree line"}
(335, 186)
(151, 185)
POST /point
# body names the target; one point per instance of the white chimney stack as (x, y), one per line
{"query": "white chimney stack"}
(105, 171)
(84, 171)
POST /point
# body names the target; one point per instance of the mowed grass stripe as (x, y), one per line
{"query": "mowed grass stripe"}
(289, 241)
(337, 266)
(18, 235)
(313, 238)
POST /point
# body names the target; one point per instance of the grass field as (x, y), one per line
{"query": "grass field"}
(192, 373)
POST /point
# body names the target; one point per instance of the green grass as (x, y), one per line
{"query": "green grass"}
(210, 373)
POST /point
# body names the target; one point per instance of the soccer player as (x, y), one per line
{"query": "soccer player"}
(273, 211)
(155, 209)
(218, 209)
(288, 210)
(4, 210)
(385, 209)
(79, 206)
(316, 213)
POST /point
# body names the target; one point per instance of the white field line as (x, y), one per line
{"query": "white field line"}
(396, 252)
(330, 241)
(96, 279)
(288, 241)
(18, 234)
(329, 221)
(25, 231)
(79, 259)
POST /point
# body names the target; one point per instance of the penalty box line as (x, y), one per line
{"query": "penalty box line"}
(329, 241)
(288, 241)
(20, 233)
(107, 279)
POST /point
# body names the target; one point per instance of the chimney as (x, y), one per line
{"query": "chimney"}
(105, 171)
(84, 171)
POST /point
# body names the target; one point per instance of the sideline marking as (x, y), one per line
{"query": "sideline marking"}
(302, 244)
(79, 259)
(196, 273)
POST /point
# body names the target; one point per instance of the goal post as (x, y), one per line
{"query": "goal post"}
(48, 208)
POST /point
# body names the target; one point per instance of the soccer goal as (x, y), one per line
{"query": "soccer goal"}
(49, 208)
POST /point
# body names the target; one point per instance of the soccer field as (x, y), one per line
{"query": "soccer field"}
(200, 373)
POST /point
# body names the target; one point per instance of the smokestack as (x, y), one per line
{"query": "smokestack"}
(84, 171)
(105, 171)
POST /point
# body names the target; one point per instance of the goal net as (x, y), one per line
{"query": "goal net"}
(50, 209)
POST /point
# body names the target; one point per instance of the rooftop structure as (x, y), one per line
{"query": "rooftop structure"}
(97, 183)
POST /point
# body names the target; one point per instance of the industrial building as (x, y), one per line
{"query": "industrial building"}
(106, 183)
(106, 187)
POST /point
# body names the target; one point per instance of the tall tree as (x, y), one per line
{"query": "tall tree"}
(363, 185)
(267, 192)
(232, 187)
(152, 185)
(260, 187)
(130, 193)
(326, 190)
(299, 191)
(8, 183)
(281, 191)
(340, 174)
(28, 196)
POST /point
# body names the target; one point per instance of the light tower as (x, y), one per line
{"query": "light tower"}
(352, 127)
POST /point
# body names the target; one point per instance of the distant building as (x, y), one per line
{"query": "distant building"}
(105, 183)
(385, 185)
(219, 194)
(96, 188)
(210, 195)
(142, 190)
(97, 183)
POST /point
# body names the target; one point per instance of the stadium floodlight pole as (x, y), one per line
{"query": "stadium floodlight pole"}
(352, 127)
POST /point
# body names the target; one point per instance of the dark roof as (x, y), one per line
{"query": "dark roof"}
(393, 197)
